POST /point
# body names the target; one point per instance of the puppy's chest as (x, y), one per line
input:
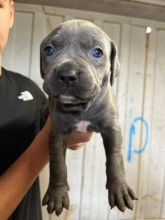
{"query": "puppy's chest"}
(82, 126)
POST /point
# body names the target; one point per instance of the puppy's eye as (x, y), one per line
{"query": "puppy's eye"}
(97, 52)
(49, 50)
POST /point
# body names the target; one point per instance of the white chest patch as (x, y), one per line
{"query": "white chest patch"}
(82, 126)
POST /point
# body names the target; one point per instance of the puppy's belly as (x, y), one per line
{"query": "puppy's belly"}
(82, 126)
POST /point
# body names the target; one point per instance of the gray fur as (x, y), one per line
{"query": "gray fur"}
(79, 88)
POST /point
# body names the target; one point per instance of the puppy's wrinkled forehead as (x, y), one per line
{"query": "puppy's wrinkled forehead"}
(78, 32)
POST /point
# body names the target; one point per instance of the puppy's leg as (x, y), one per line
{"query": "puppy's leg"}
(119, 193)
(56, 196)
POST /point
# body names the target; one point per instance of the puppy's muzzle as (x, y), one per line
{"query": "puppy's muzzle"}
(71, 84)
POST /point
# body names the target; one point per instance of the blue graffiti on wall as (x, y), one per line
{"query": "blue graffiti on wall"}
(132, 133)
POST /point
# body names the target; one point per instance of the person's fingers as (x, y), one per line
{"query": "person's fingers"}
(79, 138)
(76, 146)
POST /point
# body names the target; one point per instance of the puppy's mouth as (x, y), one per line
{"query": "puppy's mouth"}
(73, 103)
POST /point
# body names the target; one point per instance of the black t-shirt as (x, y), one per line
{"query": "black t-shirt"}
(21, 102)
(21, 105)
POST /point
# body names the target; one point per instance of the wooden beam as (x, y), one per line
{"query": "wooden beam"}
(118, 7)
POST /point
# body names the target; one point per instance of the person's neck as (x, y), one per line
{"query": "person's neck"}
(0, 65)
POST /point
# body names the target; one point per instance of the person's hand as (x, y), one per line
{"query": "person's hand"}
(78, 139)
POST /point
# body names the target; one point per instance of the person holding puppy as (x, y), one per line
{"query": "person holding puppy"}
(23, 148)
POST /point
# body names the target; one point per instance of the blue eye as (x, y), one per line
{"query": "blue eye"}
(97, 52)
(49, 50)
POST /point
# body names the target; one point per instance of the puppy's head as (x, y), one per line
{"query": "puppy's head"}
(77, 60)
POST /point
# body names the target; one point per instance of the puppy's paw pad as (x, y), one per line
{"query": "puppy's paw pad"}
(122, 196)
(56, 200)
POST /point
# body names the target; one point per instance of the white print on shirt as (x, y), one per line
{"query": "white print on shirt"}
(26, 96)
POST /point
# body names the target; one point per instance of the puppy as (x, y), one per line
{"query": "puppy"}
(79, 64)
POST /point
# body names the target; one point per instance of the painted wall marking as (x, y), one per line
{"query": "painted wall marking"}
(132, 133)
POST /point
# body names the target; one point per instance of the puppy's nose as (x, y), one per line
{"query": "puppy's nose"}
(68, 76)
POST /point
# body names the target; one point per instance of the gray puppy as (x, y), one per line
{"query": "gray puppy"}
(79, 64)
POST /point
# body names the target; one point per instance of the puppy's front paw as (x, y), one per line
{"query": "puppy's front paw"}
(56, 199)
(121, 195)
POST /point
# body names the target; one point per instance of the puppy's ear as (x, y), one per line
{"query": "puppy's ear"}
(41, 61)
(115, 65)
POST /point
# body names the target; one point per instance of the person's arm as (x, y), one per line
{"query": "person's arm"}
(16, 181)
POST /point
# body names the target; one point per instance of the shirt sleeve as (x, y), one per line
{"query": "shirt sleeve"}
(44, 111)
(41, 113)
